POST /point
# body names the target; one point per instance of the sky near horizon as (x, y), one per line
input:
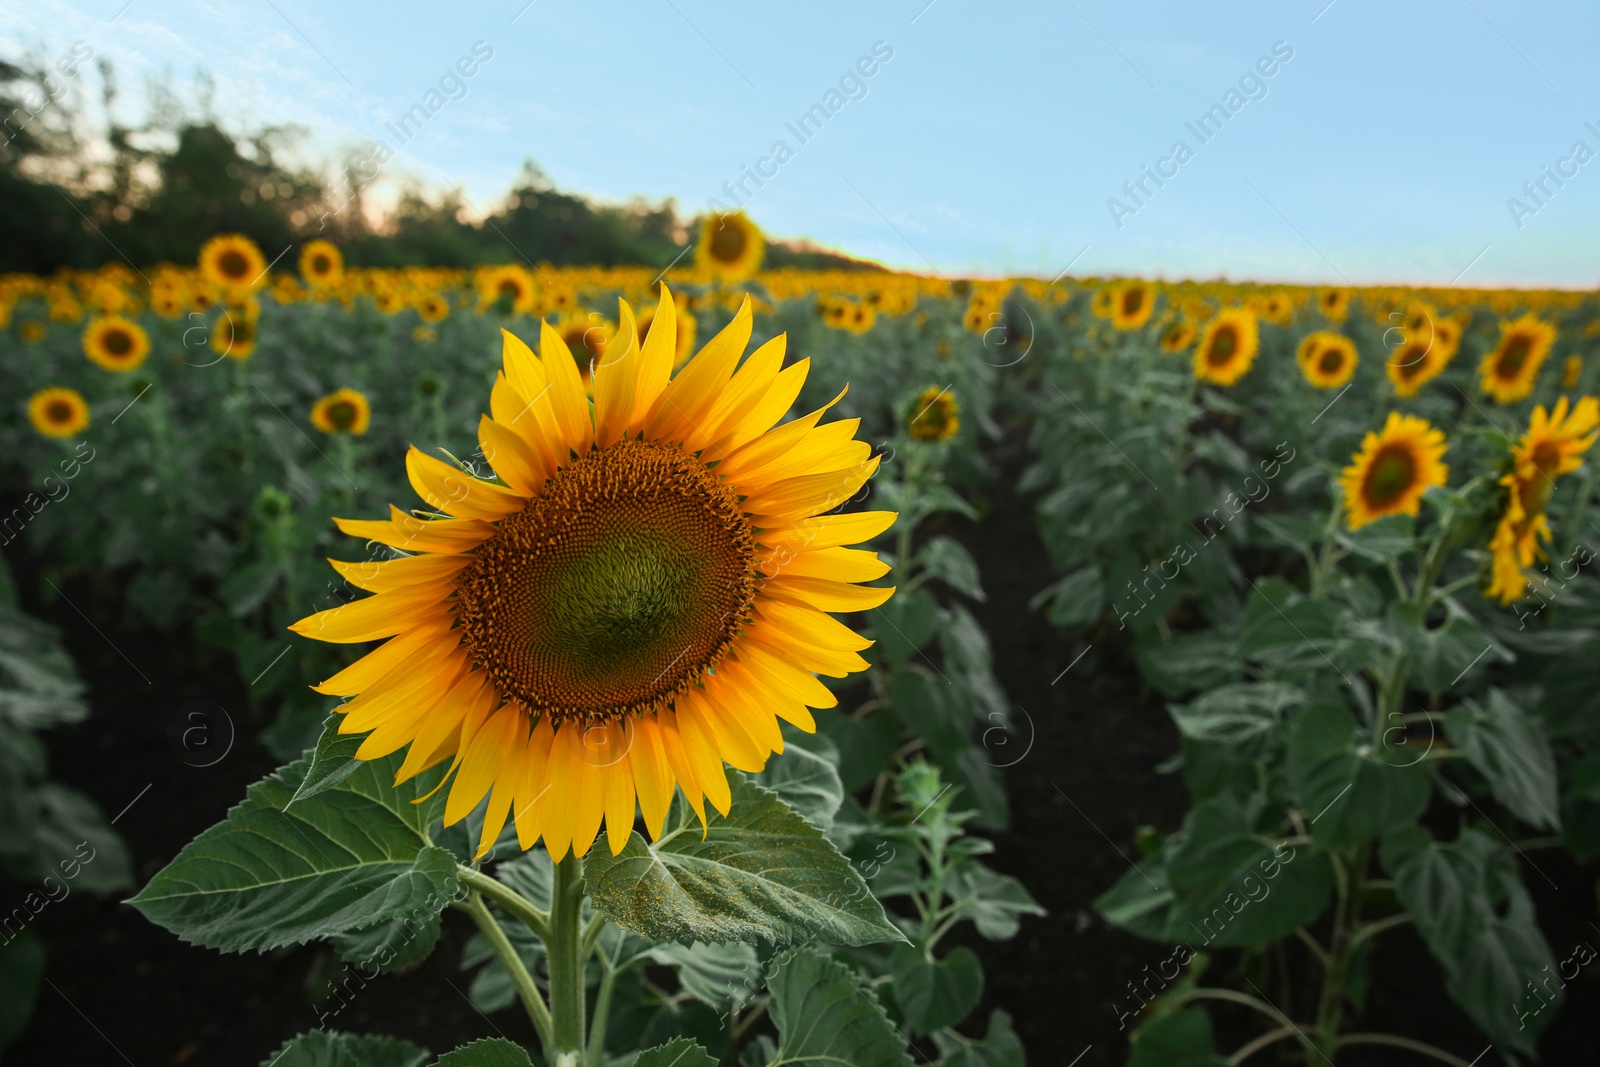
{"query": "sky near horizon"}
(1390, 142)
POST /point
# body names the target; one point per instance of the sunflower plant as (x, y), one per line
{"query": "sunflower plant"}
(631, 592)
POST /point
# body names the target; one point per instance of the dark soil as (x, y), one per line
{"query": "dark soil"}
(123, 990)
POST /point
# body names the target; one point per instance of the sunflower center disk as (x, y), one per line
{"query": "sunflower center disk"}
(1393, 472)
(613, 592)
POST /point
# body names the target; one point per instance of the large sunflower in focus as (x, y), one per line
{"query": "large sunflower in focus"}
(730, 247)
(638, 599)
(1509, 370)
(1227, 346)
(233, 264)
(1393, 469)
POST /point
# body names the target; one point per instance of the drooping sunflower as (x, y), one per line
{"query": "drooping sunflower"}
(686, 325)
(58, 412)
(115, 343)
(1131, 305)
(233, 263)
(342, 411)
(1393, 469)
(1334, 304)
(321, 263)
(935, 416)
(1178, 335)
(1554, 445)
(1227, 346)
(730, 247)
(640, 598)
(1327, 359)
(1509, 370)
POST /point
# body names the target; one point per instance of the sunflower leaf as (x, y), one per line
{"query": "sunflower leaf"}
(332, 761)
(330, 1048)
(679, 1052)
(486, 1052)
(761, 873)
(345, 859)
(824, 1016)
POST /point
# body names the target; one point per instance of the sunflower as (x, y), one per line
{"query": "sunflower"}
(730, 247)
(1334, 304)
(508, 288)
(1571, 371)
(686, 327)
(433, 308)
(1327, 359)
(342, 411)
(935, 417)
(1227, 346)
(1104, 302)
(1178, 335)
(1555, 440)
(1393, 469)
(1509, 370)
(234, 333)
(862, 318)
(115, 343)
(1416, 362)
(1277, 308)
(640, 598)
(233, 264)
(982, 312)
(58, 412)
(1131, 305)
(321, 263)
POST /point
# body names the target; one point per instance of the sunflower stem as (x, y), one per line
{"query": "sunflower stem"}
(507, 898)
(507, 953)
(568, 989)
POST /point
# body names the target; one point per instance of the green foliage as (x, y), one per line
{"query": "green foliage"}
(825, 1016)
(489, 1052)
(330, 1048)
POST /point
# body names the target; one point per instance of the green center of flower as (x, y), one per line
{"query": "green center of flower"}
(1393, 471)
(615, 590)
(1513, 357)
(1224, 343)
(728, 242)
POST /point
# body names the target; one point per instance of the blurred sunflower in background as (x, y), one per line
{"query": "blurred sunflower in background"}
(232, 263)
(321, 263)
(115, 343)
(433, 308)
(508, 288)
(935, 416)
(1509, 370)
(1227, 346)
(1393, 469)
(1417, 361)
(58, 412)
(32, 331)
(1131, 305)
(638, 600)
(1177, 335)
(1334, 304)
(1554, 445)
(1327, 359)
(342, 411)
(234, 333)
(585, 335)
(730, 247)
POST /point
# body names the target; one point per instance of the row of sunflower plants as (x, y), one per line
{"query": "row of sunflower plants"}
(1379, 674)
(54, 840)
(579, 634)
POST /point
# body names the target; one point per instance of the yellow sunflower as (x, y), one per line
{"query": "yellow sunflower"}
(1571, 371)
(730, 247)
(234, 332)
(687, 328)
(1393, 469)
(935, 416)
(433, 308)
(509, 288)
(1131, 304)
(1177, 336)
(115, 343)
(1417, 362)
(233, 263)
(1553, 446)
(1509, 370)
(342, 411)
(1227, 346)
(58, 412)
(1334, 304)
(639, 599)
(1327, 359)
(321, 263)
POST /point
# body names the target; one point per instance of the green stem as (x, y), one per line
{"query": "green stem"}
(507, 953)
(508, 898)
(1395, 1041)
(568, 989)
(602, 1010)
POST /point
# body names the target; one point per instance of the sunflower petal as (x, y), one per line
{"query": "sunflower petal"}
(455, 492)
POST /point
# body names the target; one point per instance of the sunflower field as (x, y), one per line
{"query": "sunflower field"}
(795, 667)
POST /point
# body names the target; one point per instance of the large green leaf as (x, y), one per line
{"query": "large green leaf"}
(1233, 886)
(1444, 655)
(994, 902)
(331, 1048)
(1470, 906)
(390, 946)
(760, 873)
(1509, 747)
(681, 1052)
(72, 833)
(1243, 714)
(718, 976)
(1141, 901)
(826, 1019)
(1000, 1047)
(946, 560)
(1349, 791)
(1288, 631)
(934, 993)
(345, 859)
(488, 1052)
(332, 760)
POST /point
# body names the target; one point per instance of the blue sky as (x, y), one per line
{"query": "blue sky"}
(1384, 149)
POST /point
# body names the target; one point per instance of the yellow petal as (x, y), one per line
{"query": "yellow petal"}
(839, 564)
(567, 398)
(826, 531)
(660, 351)
(763, 414)
(824, 595)
(455, 492)
(528, 813)
(686, 399)
(516, 464)
(748, 384)
(811, 626)
(774, 443)
(615, 380)
(366, 671)
(808, 495)
(482, 762)
(411, 534)
(390, 575)
(377, 616)
(652, 775)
